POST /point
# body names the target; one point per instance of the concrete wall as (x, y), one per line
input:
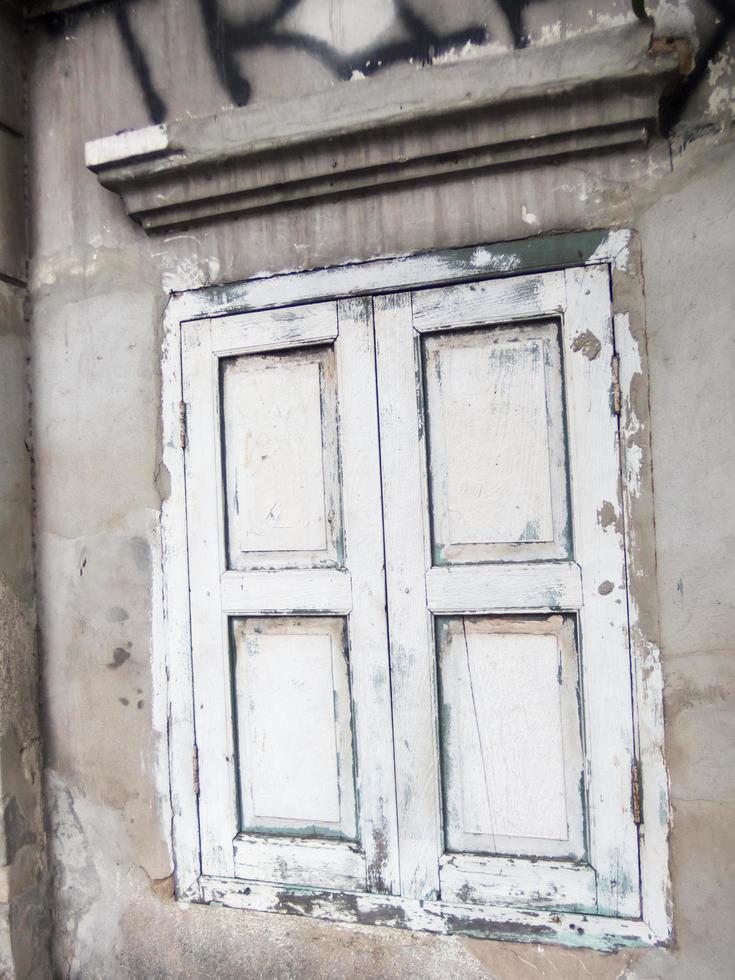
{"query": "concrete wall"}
(23, 938)
(98, 287)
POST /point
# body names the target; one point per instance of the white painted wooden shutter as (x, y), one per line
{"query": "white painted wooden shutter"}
(290, 660)
(506, 595)
(507, 707)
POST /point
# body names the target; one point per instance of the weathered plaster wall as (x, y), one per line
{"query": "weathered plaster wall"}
(221, 53)
(98, 292)
(23, 949)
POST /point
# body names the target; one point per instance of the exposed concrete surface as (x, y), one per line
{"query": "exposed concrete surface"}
(23, 919)
(98, 288)
(115, 922)
(690, 295)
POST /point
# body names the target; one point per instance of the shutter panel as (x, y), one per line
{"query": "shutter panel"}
(508, 621)
(289, 646)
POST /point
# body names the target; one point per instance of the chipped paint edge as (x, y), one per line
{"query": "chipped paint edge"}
(133, 144)
(171, 642)
(269, 288)
(570, 929)
(635, 447)
(171, 626)
(614, 249)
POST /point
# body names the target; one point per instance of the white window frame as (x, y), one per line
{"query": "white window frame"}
(172, 640)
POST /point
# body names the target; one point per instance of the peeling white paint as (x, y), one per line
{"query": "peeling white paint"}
(647, 674)
(631, 427)
(613, 249)
(721, 72)
(611, 20)
(484, 259)
(469, 51)
(189, 273)
(550, 33)
(340, 281)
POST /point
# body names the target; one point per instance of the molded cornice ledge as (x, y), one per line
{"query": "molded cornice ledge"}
(586, 95)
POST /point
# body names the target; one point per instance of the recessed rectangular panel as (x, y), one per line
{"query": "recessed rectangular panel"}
(511, 744)
(281, 459)
(294, 726)
(497, 459)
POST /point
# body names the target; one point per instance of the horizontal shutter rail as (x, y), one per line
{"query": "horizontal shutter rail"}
(498, 587)
(284, 591)
(314, 863)
(514, 881)
(267, 330)
(494, 301)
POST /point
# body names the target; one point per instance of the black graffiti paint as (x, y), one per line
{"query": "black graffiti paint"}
(513, 11)
(228, 39)
(157, 110)
(64, 21)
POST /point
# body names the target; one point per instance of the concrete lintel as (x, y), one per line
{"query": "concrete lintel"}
(584, 95)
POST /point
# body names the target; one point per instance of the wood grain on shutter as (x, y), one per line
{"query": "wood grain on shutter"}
(412, 659)
(515, 881)
(294, 726)
(209, 628)
(288, 590)
(281, 459)
(561, 320)
(314, 704)
(498, 301)
(313, 863)
(594, 452)
(497, 455)
(501, 586)
(268, 330)
(511, 736)
(358, 417)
